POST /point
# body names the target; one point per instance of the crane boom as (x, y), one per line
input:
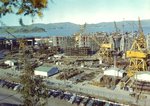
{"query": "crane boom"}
(21, 41)
(7, 30)
(117, 29)
(137, 54)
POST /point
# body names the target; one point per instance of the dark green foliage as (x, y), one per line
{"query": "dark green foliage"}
(26, 7)
(32, 86)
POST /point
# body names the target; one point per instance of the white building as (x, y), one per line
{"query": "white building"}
(142, 76)
(10, 62)
(46, 71)
(114, 72)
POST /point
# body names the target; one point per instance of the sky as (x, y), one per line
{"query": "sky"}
(89, 11)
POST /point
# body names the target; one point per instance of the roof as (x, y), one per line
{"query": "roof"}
(12, 60)
(53, 71)
(42, 68)
(115, 69)
(143, 72)
(112, 68)
(46, 69)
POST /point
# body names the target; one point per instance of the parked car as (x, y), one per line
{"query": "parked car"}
(8, 85)
(61, 95)
(17, 87)
(78, 99)
(90, 102)
(50, 92)
(85, 101)
(67, 96)
(108, 104)
(98, 103)
(13, 85)
(72, 99)
(2, 83)
(55, 93)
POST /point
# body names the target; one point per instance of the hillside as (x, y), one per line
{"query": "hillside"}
(67, 29)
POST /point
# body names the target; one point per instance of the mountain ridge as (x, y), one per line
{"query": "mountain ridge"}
(68, 28)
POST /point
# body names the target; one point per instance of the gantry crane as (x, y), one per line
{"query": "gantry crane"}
(104, 49)
(137, 54)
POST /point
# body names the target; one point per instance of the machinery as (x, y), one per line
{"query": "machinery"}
(105, 49)
(79, 34)
(117, 29)
(137, 54)
(116, 36)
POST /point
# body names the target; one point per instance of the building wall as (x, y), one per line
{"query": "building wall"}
(41, 73)
(143, 77)
(9, 62)
(112, 72)
(84, 41)
(63, 41)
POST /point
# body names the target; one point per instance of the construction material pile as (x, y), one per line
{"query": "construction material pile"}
(68, 74)
(141, 85)
(82, 51)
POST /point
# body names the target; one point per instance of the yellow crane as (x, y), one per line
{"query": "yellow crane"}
(104, 48)
(137, 54)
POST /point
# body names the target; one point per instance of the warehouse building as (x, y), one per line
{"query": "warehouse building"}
(46, 71)
(142, 76)
(114, 72)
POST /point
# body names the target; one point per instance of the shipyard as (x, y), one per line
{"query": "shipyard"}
(105, 64)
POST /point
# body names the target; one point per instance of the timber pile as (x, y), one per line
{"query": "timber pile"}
(141, 85)
(68, 74)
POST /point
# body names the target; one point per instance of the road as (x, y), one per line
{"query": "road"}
(117, 94)
(9, 96)
(6, 97)
(101, 92)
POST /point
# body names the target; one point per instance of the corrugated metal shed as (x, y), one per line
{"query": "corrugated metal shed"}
(46, 71)
(114, 72)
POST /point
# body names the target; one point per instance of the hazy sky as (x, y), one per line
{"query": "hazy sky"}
(89, 11)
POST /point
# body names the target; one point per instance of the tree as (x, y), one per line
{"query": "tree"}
(26, 7)
(33, 90)
(32, 86)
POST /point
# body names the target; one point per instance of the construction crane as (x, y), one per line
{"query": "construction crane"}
(105, 47)
(116, 36)
(21, 41)
(79, 34)
(117, 29)
(137, 54)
